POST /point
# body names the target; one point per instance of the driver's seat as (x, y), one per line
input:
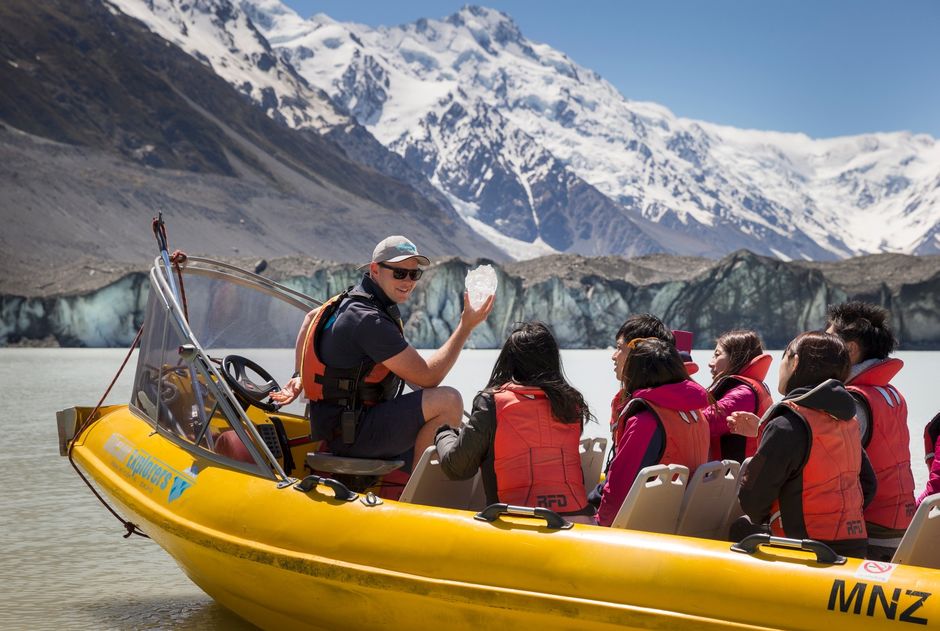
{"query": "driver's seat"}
(327, 462)
(358, 474)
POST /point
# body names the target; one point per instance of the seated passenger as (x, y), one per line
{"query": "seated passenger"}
(524, 430)
(931, 444)
(637, 326)
(660, 424)
(882, 416)
(738, 366)
(810, 477)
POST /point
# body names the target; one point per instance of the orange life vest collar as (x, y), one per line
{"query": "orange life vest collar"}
(757, 368)
(879, 374)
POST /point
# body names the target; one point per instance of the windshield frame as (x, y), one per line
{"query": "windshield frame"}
(265, 462)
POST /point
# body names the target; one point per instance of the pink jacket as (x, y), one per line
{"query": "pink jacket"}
(933, 481)
(738, 399)
(643, 441)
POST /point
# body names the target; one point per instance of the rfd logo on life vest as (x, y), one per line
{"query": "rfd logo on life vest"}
(894, 604)
(551, 501)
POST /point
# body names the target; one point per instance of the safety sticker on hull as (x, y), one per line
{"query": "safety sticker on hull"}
(150, 473)
(875, 571)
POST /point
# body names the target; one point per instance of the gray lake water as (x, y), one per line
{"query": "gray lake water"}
(64, 562)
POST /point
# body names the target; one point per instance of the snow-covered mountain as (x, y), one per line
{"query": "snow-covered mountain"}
(783, 194)
(540, 154)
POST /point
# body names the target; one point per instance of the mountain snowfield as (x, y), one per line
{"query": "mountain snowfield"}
(540, 154)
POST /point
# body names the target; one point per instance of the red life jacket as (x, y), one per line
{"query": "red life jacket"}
(366, 384)
(687, 433)
(535, 456)
(832, 494)
(888, 448)
(752, 376)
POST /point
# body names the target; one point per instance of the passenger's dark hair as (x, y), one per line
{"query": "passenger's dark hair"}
(530, 357)
(645, 325)
(866, 325)
(651, 362)
(821, 356)
(741, 346)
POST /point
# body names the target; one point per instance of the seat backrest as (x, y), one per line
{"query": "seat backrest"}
(430, 486)
(919, 546)
(654, 499)
(592, 460)
(711, 494)
(735, 511)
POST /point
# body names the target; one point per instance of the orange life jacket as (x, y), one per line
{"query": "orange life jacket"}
(366, 384)
(687, 433)
(832, 494)
(752, 376)
(535, 456)
(889, 446)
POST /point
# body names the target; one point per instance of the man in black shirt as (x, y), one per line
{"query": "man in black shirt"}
(363, 336)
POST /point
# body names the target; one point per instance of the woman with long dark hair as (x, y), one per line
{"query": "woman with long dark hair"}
(810, 477)
(661, 422)
(739, 366)
(524, 430)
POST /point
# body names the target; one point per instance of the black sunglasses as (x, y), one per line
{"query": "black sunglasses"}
(399, 273)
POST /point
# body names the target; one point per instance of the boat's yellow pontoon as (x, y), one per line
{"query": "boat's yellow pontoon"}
(219, 484)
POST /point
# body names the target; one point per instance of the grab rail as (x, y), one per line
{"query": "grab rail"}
(824, 554)
(552, 519)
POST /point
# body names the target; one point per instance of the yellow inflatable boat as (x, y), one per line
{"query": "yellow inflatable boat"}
(221, 485)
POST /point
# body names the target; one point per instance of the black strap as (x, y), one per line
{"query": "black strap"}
(285, 444)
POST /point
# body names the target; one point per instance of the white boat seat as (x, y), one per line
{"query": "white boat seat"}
(592, 460)
(328, 463)
(735, 511)
(430, 486)
(711, 494)
(654, 499)
(919, 546)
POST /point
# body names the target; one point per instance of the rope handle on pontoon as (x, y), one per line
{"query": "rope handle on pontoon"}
(824, 554)
(553, 519)
(340, 490)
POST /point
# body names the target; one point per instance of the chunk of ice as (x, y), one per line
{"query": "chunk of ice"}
(481, 283)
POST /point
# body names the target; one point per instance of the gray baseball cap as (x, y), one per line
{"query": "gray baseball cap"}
(397, 248)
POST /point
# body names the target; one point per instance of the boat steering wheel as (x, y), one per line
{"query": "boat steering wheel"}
(234, 370)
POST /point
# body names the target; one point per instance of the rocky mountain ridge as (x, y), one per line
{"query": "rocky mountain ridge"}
(103, 124)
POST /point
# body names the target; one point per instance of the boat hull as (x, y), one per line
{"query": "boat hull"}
(281, 558)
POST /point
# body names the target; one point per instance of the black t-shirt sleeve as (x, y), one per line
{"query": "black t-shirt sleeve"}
(379, 337)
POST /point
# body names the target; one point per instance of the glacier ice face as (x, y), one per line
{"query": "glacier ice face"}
(584, 307)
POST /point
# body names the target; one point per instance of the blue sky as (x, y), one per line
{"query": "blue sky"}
(825, 68)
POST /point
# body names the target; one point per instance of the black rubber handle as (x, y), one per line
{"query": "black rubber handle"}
(340, 490)
(824, 554)
(553, 519)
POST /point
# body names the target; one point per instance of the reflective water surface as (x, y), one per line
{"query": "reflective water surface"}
(63, 561)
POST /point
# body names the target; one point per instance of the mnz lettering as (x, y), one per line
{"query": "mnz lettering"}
(551, 501)
(894, 604)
